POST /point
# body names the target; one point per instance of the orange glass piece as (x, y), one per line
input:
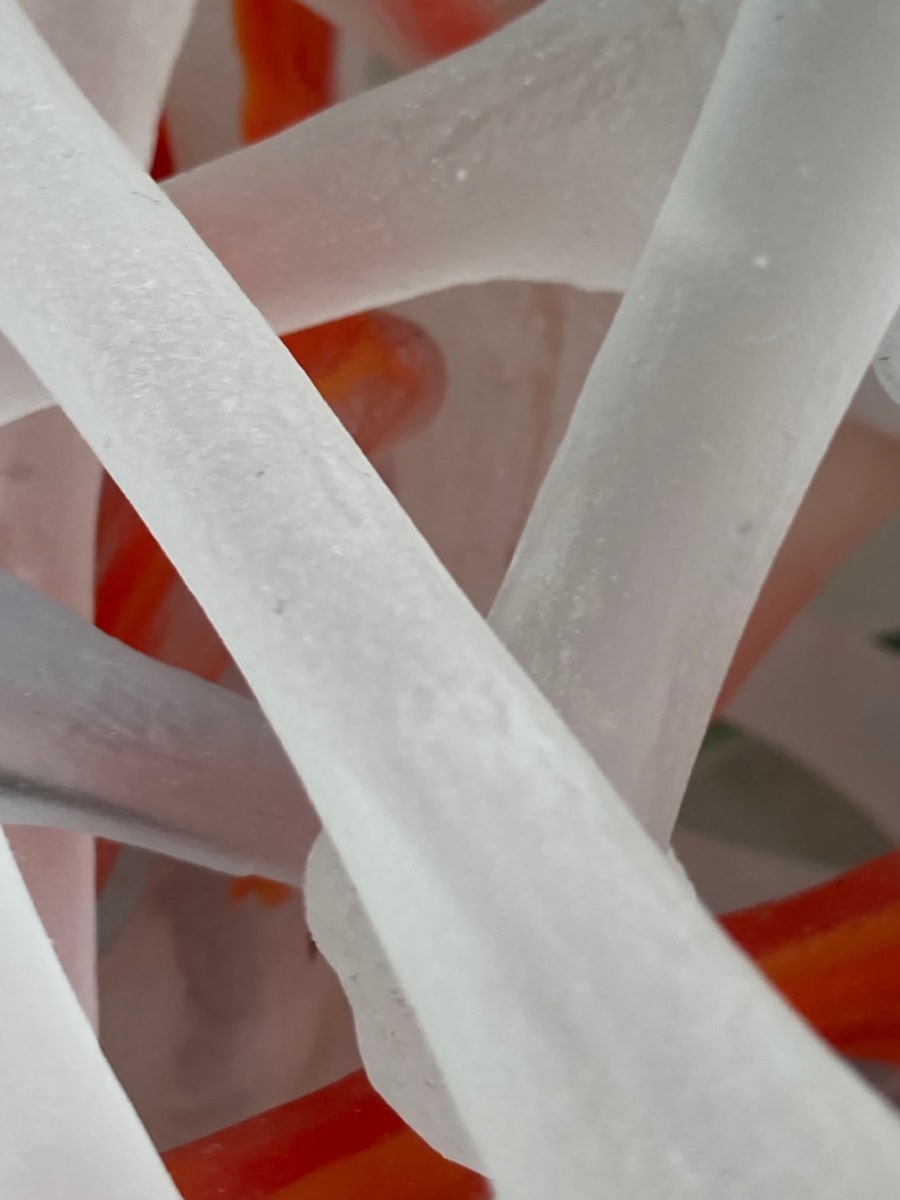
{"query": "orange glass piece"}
(834, 953)
(381, 375)
(141, 599)
(288, 54)
(269, 893)
(106, 854)
(163, 165)
(341, 1143)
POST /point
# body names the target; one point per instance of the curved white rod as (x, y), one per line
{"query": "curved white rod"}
(98, 738)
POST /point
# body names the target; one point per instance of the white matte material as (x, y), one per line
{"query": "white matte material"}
(97, 738)
(541, 153)
(725, 374)
(67, 1130)
(49, 485)
(887, 360)
(120, 53)
(731, 361)
(375, 24)
(593, 1027)
(517, 355)
(203, 104)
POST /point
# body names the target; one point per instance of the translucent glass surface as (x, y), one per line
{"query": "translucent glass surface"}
(59, 1093)
(725, 374)
(525, 913)
(98, 738)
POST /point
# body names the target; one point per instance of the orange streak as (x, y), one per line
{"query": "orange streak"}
(834, 951)
(141, 599)
(269, 893)
(106, 855)
(288, 56)
(834, 954)
(163, 165)
(341, 1143)
(381, 375)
